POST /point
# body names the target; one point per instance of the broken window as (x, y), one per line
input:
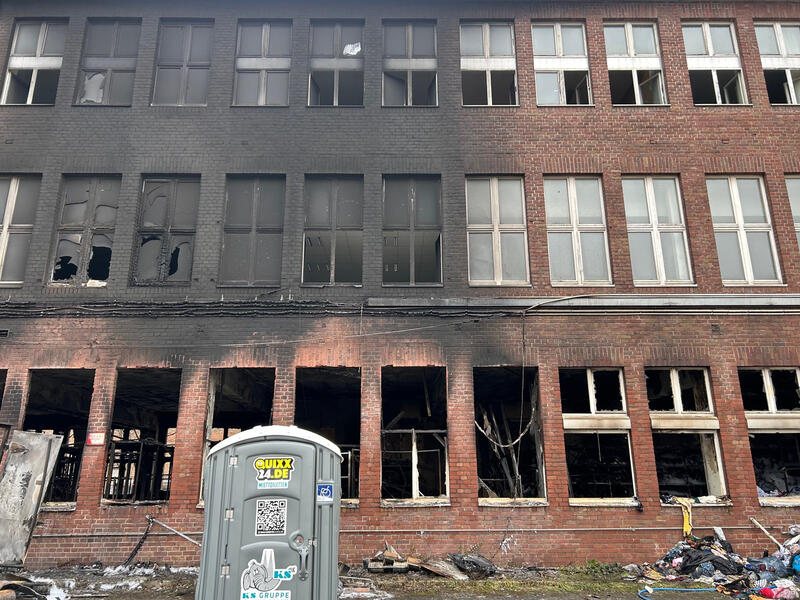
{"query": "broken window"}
(779, 45)
(58, 403)
(590, 391)
(167, 221)
(253, 238)
(34, 64)
(599, 465)
(183, 63)
(263, 63)
(86, 231)
(771, 390)
(742, 229)
(776, 460)
(687, 464)
(18, 198)
(332, 248)
(412, 230)
(508, 433)
(414, 433)
(328, 402)
(561, 64)
(793, 191)
(576, 231)
(337, 64)
(409, 63)
(634, 63)
(108, 64)
(488, 64)
(656, 231)
(678, 390)
(497, 241)
(715, 71)
(142, 435)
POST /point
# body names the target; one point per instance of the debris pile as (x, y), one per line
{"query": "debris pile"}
(389, 560)
(457, 566)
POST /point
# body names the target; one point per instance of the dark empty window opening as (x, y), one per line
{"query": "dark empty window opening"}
(576, 87)
(622, 87)
(58, 403)
(414, 433)
(702, 83)
(508, 433)
(772, 390)
(473, 86)
(589, 391)
(599, 465)
(677, 390)
(504, 87)
(328, 402)
(754, 395)
(784, 382)
(240, 398)
(776, 460)
(142, 440)
(687, 465)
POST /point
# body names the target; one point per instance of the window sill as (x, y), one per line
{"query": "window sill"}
(92, 105)
(746, 105)
(688, 284)
(334, 106)
(782, 501)
(718, 502)
(418, 503)
(92, 284)
(9, 104)
(641, 105)
(490, 106)
(506, 502)
(259, 106)
(784, 105)
(409, 106)
(350, 503)
(411, 286)
(249, 286)
(11, 284)
(178, 105)
(585, 284)
(693, 421)
(565, 105)
(58, 506)
(785, 421)
(759, 284)
(493, 284)
(134, 503)
(608, 502)
(597, 422)
(327, 285)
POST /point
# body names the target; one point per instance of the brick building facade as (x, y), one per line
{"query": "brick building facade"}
(165, 258)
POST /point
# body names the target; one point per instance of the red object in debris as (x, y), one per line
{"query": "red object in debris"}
(767, 592)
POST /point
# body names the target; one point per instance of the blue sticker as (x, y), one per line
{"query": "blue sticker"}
(324, 492)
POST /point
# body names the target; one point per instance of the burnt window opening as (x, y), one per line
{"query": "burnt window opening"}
(414, 433)
(142, 435)
(328, 402)
(771, 390)
(687, 465)
(108, 64)
(86, 231)
(508, 433)
(34, 65)
(58, 403)
(589, 391)
(677, 390)
(167, 222)
(776, 461)
(599, 465)
(336, 76)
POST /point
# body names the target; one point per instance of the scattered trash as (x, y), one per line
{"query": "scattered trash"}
(389, 561)
(474, 565)
(445, 568)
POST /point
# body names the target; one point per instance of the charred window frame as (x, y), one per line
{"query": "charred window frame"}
(85, 235)
(793, 191)
(772, 390)
(18, 199)
(167, 222)
(488, 64)
(108, 62)
(336, 76)
(712, 57)
(412, 230)
(409, 63)
(263, 63)
(333, 237)
(497, 235)
(594, 391)
(561, 64)
(34, 64)
(779, 46)
(600, 467)
(183, 63)
(776, 456)
(576, 231)
(634, 63)
(657, 239)
(679, 390)
(689, 464)
(743, 230)
(253, 231)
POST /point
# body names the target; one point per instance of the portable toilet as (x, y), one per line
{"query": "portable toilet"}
(272, 497)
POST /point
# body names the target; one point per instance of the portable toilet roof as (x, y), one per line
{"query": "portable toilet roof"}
(283, 431)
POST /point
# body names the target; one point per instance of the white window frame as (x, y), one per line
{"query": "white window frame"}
(544, 63)
(711, 61)
(336, 63)
(490, 62)
(593, 393)
(410, 63)
(634, 62)
(714, 433)
(769, 391)
(495, 228)
(677, 401)
(783, 61)
(795, 215)
(742, 228)
(611, 500)
(655, 229)
(7, 229)
(263, 64)
(39, 62)
(576, 229)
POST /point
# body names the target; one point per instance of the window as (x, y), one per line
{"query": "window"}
(793, 189)
(770, 390)
(634, 63)
(576, 231)
(742, 229)
(656, 232)
(412, 231)
(776, 457)
(779, 45)
(167, 221)
(332, 248)
(263, 62)
(496, 231)
(688, 465)
(409, 64)
(18, 198)
(253, 231)
(715, 72)
(488, 64)
(337, 64)
(678, 390)
(35, 62)
(561, 64)
(108, 64)
(591, 391)
(86, 231)
(183, 64)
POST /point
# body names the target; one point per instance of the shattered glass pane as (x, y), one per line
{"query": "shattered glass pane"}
(236, 257)
(188, 194)
(396, 202)
(267, 262)
(270, 202)
(100, 257)
(179, 267)
(432, 464)
(317, 257)
(16, 256)
(68, 253)
(659, 390)
(93, 87)
(27, 196)
(154, 209)
(148, 263)
(599, 465)
(427, 257)
(77, 195)
(27, 39)
(574, 391)
(349, 257)
(774, 457)
(99, 38)
(481, 257)
(396, 465)
(396, 257)
(682, 466)
(105, 212)
(351, 40)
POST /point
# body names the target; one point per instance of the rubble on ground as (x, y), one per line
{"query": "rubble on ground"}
(457, 566)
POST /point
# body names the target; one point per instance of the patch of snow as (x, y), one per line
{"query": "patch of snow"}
(131, 584)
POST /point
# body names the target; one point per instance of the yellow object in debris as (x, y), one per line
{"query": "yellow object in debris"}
(686, 507)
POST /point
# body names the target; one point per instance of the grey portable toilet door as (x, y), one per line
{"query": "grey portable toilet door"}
(269, 546)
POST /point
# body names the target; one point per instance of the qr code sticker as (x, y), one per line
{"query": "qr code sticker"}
(271, 517)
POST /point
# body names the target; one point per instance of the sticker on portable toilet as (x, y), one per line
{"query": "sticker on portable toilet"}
(261, 580)
(271, 516)
(273, 471)
(324, 492)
